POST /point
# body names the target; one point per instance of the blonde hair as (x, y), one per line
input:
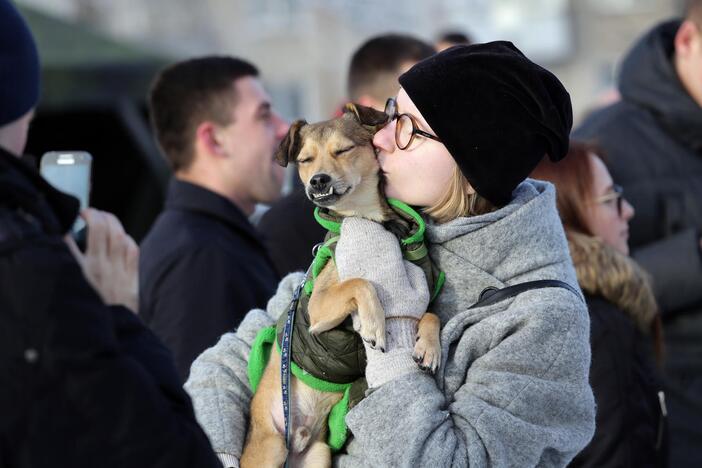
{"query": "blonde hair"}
(459, 200)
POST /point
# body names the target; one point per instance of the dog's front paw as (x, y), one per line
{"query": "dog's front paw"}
(427, 353)
(372, 331)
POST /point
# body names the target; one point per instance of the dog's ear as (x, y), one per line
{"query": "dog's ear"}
(370, 118)
(290, 146)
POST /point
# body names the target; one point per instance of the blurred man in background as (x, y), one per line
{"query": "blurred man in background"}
(203, 265)
(289, 227)
(84, 383)
(451, 38)
(653, 144)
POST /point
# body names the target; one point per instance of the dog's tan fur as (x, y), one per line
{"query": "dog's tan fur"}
(340, 148)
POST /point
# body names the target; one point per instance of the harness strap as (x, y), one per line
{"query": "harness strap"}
(323, 253)
(416, 254)
(491, 295)
(286, 388)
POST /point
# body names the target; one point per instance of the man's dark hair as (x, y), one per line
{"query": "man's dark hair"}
(376, 64)
(454, 37)
(188, 93)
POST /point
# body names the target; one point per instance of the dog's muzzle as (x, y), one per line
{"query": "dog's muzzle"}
(322, 191)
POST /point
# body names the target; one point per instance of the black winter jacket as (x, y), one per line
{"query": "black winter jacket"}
(630, 426)
(202, 268)
(83, 384)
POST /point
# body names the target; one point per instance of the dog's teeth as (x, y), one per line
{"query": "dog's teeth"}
(320, 195)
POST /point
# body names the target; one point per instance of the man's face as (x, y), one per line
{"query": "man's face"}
(250, 141)
(13, 136)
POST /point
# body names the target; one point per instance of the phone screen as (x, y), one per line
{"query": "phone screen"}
(69, 172)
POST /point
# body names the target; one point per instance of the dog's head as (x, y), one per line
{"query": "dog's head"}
(335, 158)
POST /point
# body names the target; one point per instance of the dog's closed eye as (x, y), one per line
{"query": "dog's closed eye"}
(304, 160)
(344, 150)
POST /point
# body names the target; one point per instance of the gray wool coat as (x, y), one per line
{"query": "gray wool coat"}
(513, 387)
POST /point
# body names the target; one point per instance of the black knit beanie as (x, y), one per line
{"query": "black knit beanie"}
(19, 65)
(497, 112)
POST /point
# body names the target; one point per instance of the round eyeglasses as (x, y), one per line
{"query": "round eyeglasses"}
(406, 127)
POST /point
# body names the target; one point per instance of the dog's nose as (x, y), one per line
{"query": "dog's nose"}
(320, 182)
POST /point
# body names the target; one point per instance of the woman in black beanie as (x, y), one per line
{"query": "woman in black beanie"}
(511, 389)
(466, 129)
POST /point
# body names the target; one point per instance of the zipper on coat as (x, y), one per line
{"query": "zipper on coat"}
(661, 420)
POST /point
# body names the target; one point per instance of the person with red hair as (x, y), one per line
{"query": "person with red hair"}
(624, 316)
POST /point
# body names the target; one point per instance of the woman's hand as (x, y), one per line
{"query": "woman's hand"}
(111, 260)
(367, 250)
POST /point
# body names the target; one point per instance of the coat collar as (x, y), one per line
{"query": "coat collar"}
(22, 187)
(604, 272)
(195, 198)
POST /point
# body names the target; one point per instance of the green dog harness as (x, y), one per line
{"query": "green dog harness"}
(413, 247)
(335, 360)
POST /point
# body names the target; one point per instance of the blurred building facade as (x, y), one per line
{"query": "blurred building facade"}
(303, 46)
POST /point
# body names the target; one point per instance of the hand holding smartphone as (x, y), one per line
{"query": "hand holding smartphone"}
(69, 172)
(111, 260)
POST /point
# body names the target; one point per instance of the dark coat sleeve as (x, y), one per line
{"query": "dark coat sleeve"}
(104, 391)
(675, 263)
(201, 296)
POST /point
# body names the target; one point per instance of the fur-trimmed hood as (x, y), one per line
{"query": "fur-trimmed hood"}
(605, 272)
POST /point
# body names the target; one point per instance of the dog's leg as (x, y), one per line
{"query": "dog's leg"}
(268, 451)
(318, 456)
(265, 446)
(330, 306)
(427, 349)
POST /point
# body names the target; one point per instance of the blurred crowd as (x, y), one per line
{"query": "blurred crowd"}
(115, 354)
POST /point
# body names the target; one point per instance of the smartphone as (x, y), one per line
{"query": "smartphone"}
(69, 171)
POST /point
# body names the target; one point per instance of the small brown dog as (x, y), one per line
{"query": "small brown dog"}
(337, 163)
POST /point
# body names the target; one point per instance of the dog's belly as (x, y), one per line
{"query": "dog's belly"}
(309, 410)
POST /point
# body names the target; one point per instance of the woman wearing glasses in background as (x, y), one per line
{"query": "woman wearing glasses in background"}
(626, 330)
(465, 131)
